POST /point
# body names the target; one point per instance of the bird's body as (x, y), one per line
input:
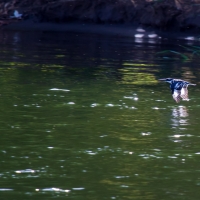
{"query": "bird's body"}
(178, 88)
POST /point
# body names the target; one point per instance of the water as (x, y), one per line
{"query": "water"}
(84, 117)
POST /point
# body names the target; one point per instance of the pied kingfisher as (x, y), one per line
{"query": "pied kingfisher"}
(178, 88)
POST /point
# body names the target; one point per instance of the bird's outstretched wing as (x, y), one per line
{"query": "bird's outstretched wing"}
(177, 95)
(184, 93)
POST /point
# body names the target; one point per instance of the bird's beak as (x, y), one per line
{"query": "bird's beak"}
(162, 79)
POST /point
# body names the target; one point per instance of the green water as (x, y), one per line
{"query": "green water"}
(84, 117)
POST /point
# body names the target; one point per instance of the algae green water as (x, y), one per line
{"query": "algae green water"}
(84, 117)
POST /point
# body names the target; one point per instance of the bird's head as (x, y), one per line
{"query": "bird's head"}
(168, 80)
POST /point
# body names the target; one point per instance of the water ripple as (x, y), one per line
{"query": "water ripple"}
(5, 189)
(57, 89)
(52, 190)
(26, 171)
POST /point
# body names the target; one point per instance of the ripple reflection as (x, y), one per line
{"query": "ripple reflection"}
(51, 190)
(179, 117)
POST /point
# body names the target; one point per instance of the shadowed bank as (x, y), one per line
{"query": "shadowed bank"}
(165, 15)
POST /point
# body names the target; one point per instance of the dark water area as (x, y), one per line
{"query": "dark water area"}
(83, 116)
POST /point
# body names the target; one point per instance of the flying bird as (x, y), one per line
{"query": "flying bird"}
(178, 88)
(16, 15)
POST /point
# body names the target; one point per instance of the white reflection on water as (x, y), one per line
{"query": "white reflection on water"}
(179, 117)
(78, 188)
(94, 105)
(135, 98)
(25, 171)
(6, 189)
(57, 89)
(51, 190)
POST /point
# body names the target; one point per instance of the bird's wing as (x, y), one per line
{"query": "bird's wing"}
(177, 95)
(184, 93)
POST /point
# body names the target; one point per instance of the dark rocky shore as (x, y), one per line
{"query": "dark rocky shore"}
(165, 15)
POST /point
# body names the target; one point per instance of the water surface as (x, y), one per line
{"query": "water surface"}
(83, 116)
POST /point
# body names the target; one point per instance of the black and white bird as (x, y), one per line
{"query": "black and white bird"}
(178, 88)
